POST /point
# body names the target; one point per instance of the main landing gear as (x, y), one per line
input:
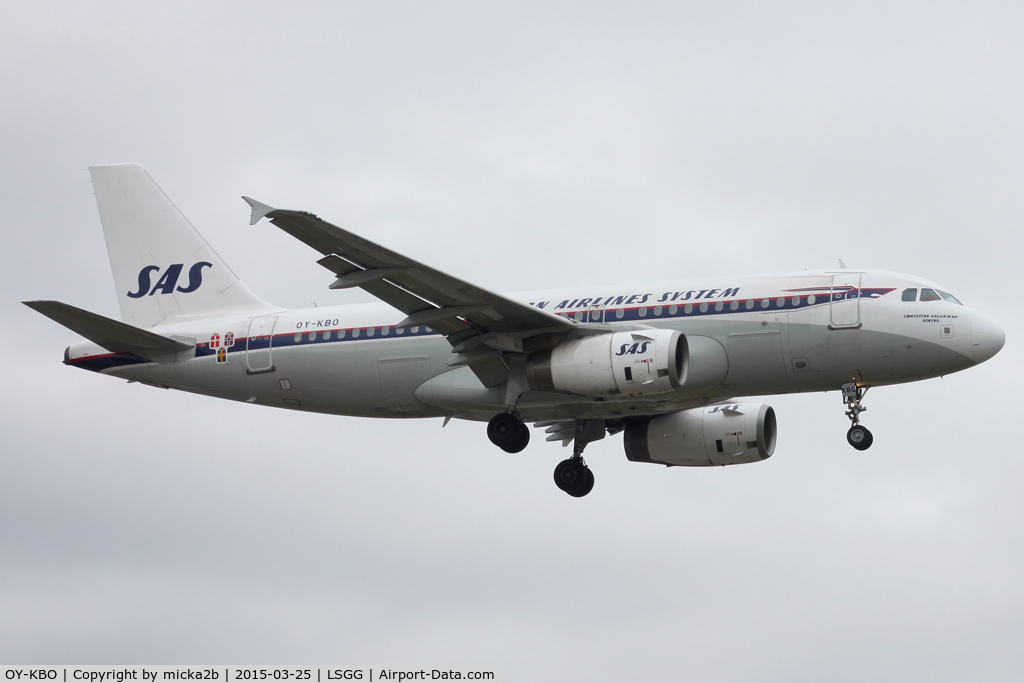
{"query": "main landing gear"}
(572, 475)
(859, 437)
(508, 432)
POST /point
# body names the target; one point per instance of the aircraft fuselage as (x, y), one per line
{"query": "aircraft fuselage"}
(798, 332)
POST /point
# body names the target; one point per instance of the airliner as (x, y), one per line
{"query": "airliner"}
(666, 363)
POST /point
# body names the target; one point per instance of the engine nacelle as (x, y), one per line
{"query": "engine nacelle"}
(629, 363)
(701, 437)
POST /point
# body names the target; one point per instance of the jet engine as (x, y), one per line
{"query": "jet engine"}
(629, 363)
(702, 437)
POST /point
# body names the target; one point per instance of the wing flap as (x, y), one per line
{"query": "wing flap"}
(490, 371)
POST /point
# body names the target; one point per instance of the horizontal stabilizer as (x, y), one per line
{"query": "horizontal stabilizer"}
(112, 335)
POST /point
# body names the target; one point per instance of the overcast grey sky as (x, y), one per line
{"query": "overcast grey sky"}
(520, 147)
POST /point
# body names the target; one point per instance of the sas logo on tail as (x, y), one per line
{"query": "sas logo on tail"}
(166, 283)
(630, 350)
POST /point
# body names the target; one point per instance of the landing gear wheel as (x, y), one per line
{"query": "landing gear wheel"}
(524, 441)
(505, 431)
(568, 473)
(586, 487)
(574, 477)
(859, 437)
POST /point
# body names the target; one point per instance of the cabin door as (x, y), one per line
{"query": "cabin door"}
(845, 303)
(257, 349)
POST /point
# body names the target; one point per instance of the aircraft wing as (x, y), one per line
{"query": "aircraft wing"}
(456, 308)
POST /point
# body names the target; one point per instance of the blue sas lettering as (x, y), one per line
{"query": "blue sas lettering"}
(630, 350)
(167, 282)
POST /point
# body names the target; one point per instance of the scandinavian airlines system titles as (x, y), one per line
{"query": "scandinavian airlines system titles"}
(640, 299)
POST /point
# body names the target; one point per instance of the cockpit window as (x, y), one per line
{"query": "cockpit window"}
(950, 298)
(929, 295)
(910, 294)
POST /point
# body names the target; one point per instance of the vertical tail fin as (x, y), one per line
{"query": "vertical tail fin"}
(164, 270)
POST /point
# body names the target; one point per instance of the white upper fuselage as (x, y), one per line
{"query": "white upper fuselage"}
(795, 332)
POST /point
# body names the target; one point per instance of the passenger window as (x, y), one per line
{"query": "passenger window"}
(929, 295)
(950, 298)
(910, 294)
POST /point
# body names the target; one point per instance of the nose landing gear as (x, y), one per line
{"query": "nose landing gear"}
(859, 437)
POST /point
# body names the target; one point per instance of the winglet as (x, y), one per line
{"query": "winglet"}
(841, 264)
(259, 209)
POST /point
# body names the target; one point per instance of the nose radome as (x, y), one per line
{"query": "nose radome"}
(988, 338)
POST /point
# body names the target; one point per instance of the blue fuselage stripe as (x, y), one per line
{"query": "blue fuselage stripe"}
(791, 302)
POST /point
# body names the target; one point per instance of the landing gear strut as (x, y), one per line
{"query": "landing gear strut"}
(859, 437)
(507, 432)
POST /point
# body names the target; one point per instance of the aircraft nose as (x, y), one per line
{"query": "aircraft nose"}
(988, 337)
